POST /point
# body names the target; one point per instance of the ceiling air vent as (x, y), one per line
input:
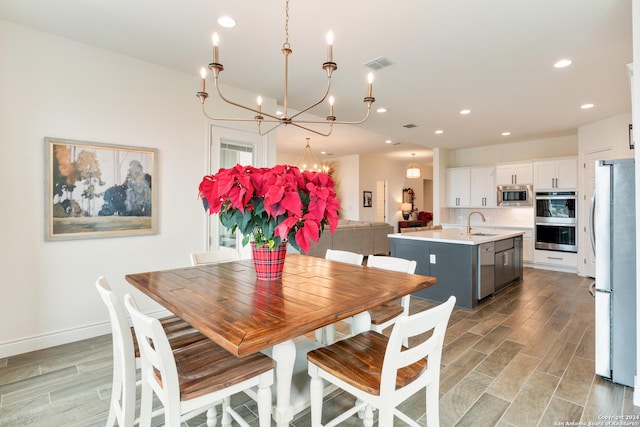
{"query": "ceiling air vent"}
(378, 63)
(409, 126)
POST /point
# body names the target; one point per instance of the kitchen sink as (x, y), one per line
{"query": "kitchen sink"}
(484, 234)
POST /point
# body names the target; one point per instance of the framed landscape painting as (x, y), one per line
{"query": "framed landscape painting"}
(96, 190)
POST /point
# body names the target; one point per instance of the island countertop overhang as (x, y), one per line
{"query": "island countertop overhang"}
(459, 235)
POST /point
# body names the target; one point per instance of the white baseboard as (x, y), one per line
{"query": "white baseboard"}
(52, 339)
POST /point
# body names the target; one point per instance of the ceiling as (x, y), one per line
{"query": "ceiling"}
(494, 57)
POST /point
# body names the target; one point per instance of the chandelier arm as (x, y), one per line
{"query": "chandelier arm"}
(232, 119)
(326, 92)
(261, 133)
(228, 101)
(312, 130)
(339, 122)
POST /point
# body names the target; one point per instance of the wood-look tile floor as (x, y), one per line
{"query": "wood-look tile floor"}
(524, 357)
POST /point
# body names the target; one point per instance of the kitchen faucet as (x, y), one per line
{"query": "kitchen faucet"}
(469, 220)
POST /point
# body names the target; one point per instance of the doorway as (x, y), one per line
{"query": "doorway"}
(427, 195)
(381, 201)
(229, 147)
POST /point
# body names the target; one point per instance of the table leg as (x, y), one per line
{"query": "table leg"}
(361, 322)
(285, 355)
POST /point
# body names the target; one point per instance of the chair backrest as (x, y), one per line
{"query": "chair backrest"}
(212, 257)
(158, 364)
(392, 263)
(124, 361)
(396, 357)
(344, 256)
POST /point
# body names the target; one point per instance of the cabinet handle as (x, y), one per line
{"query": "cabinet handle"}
(555, 257)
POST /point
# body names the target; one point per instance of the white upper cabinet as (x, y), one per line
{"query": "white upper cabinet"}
(457, 187)
(554, 174)
(517, 173)
(483, 187)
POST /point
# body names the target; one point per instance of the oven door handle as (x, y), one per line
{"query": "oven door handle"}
(555, 197)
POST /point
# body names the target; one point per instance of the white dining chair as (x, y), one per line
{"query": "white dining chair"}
(344, 256)
(326, 335)
(212, 257)
(381, 372)
(126, 357)
(385, 315)
(192, 379)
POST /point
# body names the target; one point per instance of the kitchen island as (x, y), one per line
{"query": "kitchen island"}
(470, 266)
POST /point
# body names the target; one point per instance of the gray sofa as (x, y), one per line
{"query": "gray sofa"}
(367, 238)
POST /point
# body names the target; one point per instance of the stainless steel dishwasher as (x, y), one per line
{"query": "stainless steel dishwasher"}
(486, 271)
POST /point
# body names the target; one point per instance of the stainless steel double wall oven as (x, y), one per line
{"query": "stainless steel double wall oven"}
(556, 221)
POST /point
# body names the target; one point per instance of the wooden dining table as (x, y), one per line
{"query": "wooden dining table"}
(245, 315)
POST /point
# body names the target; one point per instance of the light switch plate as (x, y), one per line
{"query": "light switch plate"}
(432, 258)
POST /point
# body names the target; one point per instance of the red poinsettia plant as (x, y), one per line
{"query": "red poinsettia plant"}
(272, 205)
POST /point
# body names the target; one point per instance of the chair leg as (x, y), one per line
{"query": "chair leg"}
(385, 417)
(368, 418)
(116, 394)
(361, 411)
(264, 400)
(317, 395)
(146, 405)
(211, 416)
(226, 416)
(433, 406)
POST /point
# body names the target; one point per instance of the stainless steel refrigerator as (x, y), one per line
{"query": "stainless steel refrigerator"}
(614, 232)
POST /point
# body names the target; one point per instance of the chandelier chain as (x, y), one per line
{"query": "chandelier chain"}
(286, 44)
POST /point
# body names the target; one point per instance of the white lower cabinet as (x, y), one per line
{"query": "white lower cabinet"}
(554, 258)
(527, 246)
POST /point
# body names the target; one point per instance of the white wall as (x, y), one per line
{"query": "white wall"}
(54, 87)
(515, 151)
(347, 186)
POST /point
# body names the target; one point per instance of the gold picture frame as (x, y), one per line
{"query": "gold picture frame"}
(96, 190)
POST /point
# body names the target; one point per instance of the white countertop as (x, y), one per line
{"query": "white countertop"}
(491, 226)
(459, 235)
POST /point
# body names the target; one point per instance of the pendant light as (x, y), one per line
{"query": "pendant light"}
(413, 170)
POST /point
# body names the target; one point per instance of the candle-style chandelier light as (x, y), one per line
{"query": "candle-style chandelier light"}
(285, 119)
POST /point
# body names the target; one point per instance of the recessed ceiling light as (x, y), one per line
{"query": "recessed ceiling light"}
(439, 132)
(388, 141)
(465, 111)
(226, 22)
(563, 63)
(381, 110)
(279, 112)
(323, 152)
(506, 133)
(586, 106)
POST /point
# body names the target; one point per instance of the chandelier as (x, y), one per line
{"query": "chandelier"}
(413, 170)
(307, 161)
(276, 121)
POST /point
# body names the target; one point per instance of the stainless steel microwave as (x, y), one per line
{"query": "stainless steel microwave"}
(515, 195)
